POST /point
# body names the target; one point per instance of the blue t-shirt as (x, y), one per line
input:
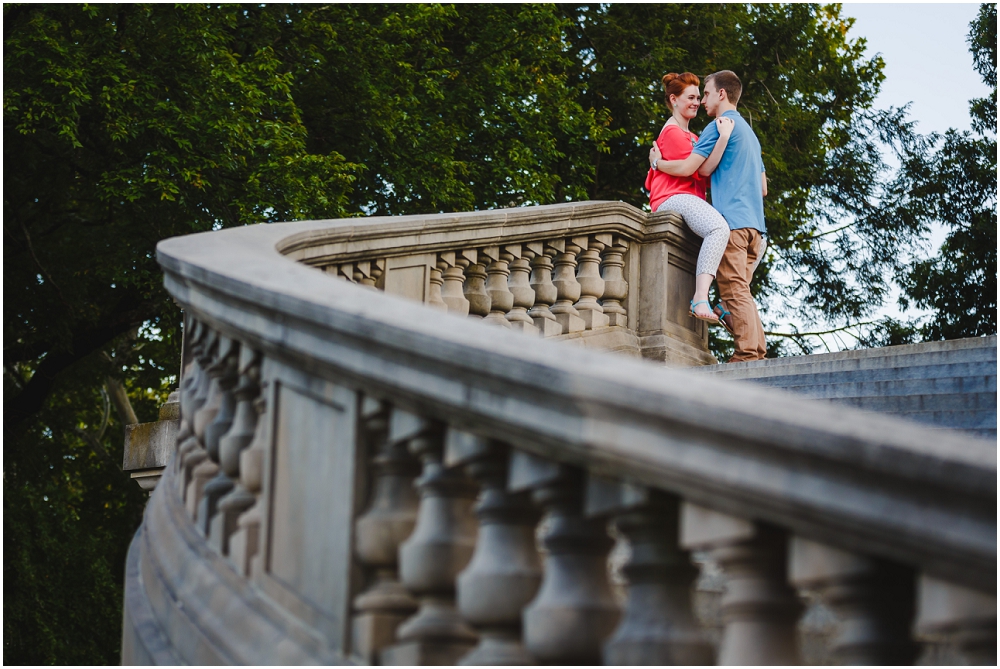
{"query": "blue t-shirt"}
(736, 182)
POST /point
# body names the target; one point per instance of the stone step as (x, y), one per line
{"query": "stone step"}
(831, 373)
(987, 433)
(980, 350)
(972, 419)
(934, 386)
(922, 402)
(945, 385)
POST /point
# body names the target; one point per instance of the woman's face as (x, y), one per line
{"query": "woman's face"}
(688, 102)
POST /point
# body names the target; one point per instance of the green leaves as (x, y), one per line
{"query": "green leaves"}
(123, 125)
(450, 108)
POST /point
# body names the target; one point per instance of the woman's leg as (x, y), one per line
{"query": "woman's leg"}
(706, 222)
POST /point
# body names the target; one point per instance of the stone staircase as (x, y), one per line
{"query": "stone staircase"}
(944, 384)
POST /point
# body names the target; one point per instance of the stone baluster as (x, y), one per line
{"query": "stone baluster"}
(505, 570)
(452, 265)
(207, 486)
(194, 338)
(475, 287)
(759, 609)
(387, 521)
(520, 286)
(588, 275)
(435, 281)
(658, 627)
(244, 544)
(194, 396)
(346, 271)
(545, 292)
(192, 451)
(239, 499)
(615, 285)
(959, 615)
(190, 384)
(368, 272)
(567, 287)
(574, 611)
(432, 557)
(874, 601)
(498, 272)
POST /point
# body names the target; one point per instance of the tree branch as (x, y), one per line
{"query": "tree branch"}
(795, 335)
(85, 342)
(121, 401)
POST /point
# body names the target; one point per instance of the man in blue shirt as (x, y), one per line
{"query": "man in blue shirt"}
(739, 185)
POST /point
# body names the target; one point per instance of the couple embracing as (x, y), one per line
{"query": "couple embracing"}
(732, 227)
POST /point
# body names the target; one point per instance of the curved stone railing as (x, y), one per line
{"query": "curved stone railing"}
(287, 528)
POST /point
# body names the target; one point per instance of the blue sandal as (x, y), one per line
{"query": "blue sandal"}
(722, 317)
(703, 318)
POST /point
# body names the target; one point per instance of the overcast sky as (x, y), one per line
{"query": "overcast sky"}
(927, 59)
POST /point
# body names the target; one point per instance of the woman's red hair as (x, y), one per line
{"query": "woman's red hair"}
(674, 84)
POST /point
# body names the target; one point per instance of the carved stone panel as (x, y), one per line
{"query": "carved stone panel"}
(409, 276)
(309, 489)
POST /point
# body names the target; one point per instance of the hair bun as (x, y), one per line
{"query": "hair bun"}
(674, 84)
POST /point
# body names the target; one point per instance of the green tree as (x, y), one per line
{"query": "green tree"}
(122, 125)
(453, 108)
(952, 180)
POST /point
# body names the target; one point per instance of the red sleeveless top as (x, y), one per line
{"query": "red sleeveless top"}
(675, 144)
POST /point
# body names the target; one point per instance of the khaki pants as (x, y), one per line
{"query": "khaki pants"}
(743, 254)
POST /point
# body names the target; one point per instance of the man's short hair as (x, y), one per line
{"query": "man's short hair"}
(726, 80)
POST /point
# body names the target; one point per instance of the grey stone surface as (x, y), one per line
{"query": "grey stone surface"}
(149, 445)
(951, 384)
(182, 594)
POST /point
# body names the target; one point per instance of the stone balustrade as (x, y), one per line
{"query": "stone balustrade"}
(603, 275)
(363, 478)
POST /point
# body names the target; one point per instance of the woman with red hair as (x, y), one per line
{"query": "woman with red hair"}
(686, 195)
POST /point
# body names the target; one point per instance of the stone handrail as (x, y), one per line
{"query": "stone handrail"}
(287, 529)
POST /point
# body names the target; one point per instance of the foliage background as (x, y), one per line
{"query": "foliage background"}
(126, 124)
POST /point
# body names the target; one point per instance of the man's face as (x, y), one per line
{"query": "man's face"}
(711, 98)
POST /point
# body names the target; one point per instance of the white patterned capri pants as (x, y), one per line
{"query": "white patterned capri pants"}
(706, 222)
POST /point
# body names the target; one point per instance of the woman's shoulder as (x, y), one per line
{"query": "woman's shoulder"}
(672, 133)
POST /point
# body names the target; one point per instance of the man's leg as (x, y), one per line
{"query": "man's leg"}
(734, 289)
(755, 253)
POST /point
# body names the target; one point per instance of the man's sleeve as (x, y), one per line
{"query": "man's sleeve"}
(709, 136)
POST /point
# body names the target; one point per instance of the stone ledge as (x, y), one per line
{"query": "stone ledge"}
(612, 338)
(149, 445)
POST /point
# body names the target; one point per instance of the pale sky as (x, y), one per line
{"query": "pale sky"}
(927, 59)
